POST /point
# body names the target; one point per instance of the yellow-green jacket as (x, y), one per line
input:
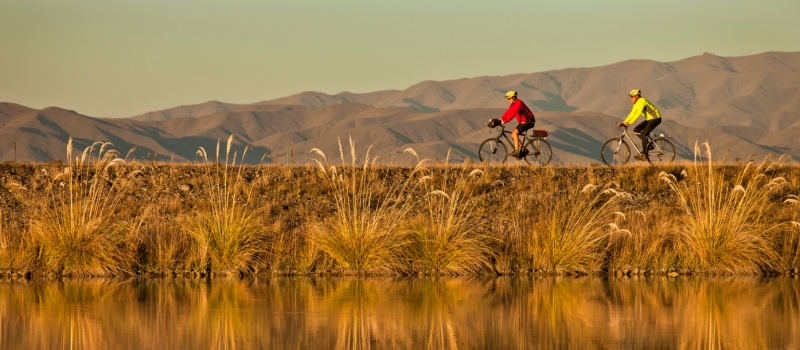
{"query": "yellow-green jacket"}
(642, 106)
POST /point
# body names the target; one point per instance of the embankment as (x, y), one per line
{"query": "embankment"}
(109, 218)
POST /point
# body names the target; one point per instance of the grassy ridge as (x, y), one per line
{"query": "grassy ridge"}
(103, 215)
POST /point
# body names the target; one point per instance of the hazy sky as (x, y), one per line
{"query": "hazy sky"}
(119, 58)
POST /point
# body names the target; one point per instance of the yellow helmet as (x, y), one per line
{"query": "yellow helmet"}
(635, 92)
(511, 93)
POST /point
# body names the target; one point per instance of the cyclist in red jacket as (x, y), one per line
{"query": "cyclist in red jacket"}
(524, 116)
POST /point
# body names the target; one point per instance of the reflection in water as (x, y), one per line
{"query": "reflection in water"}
(353, 313)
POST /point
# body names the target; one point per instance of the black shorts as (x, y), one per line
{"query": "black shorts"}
(522, 127)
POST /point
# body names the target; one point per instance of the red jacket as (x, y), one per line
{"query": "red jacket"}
(520, 110)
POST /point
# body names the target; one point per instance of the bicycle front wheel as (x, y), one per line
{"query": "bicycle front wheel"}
(492, 151)
(660, 150)
(615, 152)
(539, 152)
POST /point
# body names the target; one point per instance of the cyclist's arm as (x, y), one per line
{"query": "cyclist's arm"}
(512, 110)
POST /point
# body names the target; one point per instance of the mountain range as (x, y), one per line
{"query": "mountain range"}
(743, 107)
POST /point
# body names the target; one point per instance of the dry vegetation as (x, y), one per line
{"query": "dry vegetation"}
(104, 215)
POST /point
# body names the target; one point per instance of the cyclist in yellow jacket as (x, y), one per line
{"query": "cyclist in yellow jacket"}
(652, 118)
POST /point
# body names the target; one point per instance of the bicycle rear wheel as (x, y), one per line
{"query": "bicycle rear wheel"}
(492, 151)
(539, 152)
(615, 152)
(660, 150)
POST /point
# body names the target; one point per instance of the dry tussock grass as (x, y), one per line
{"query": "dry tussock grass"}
(446, 237)
(727, 226)
(77, 230)
(16, 250)
(100, 214)
(364, 234)
(228, 231)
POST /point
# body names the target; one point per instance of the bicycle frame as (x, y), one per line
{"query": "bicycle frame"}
(524, 139)
(626, 136)
(535, 149)
(617, 150)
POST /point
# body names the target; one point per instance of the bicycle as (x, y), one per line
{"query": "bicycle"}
(535, 148)
(617, 152)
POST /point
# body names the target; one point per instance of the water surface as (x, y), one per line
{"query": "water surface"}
(373, 313)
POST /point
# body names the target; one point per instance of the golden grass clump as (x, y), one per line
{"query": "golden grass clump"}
(167, 249)
(76, 230)
(16, 250)
(290, 252)
(571, 235)
(790, 240)
(364, 234)
(726, 226)
(641, 242)
(446, 237)
(510, 250)
(228, 230)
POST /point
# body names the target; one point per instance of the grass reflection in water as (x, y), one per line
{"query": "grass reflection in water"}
(430, 313)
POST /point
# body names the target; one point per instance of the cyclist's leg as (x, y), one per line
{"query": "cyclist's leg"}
(515, 138)
(651, 125)
(644, 128)
(522, 127)
(639, 129)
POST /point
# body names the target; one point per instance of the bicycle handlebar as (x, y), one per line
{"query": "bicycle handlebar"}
(502, 127)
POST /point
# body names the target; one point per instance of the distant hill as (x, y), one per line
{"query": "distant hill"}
(206, 108)
(743, 105)
(10, 110)
(759, 91)
(286, 134)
